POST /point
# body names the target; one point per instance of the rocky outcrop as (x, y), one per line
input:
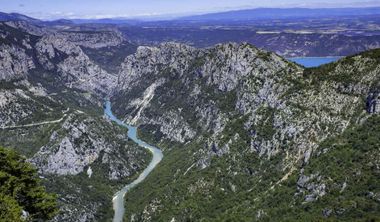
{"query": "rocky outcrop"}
(373, 102)
(78, 145)
(311, 186)
(15, 58)
(11, 108)
(173, 126)
(72, 153)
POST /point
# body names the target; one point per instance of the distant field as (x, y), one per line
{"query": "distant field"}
(311, 37)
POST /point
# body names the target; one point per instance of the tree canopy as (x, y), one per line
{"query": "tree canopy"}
(21, 190)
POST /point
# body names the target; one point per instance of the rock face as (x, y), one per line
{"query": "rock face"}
(205, 88)
(14, 59)
(30, 28)
(315, 190)
(238, 110)
(14, 63)
(67, 156)
(74, 65)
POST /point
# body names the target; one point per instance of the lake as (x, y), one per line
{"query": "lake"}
(314, 61)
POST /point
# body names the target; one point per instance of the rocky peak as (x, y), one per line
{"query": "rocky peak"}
(228, 63)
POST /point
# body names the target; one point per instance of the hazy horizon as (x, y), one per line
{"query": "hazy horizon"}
(87, 9)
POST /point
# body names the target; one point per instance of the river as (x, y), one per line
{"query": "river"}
(118, 199)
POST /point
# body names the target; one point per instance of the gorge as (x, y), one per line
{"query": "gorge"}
(246, 134)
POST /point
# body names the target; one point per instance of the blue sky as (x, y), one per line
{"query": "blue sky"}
(54, 9)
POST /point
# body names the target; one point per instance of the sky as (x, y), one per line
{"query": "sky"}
(70, 9)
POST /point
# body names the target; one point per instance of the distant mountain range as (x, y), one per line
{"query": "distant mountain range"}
(16, 17)
(20, 17)
(237, 15)
(284, 13)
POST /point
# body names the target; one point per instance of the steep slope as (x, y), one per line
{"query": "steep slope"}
(51, 96)
(237, 123)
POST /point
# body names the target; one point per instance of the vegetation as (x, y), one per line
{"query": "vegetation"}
(214, 195)
(20, 189)
(201, 195)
